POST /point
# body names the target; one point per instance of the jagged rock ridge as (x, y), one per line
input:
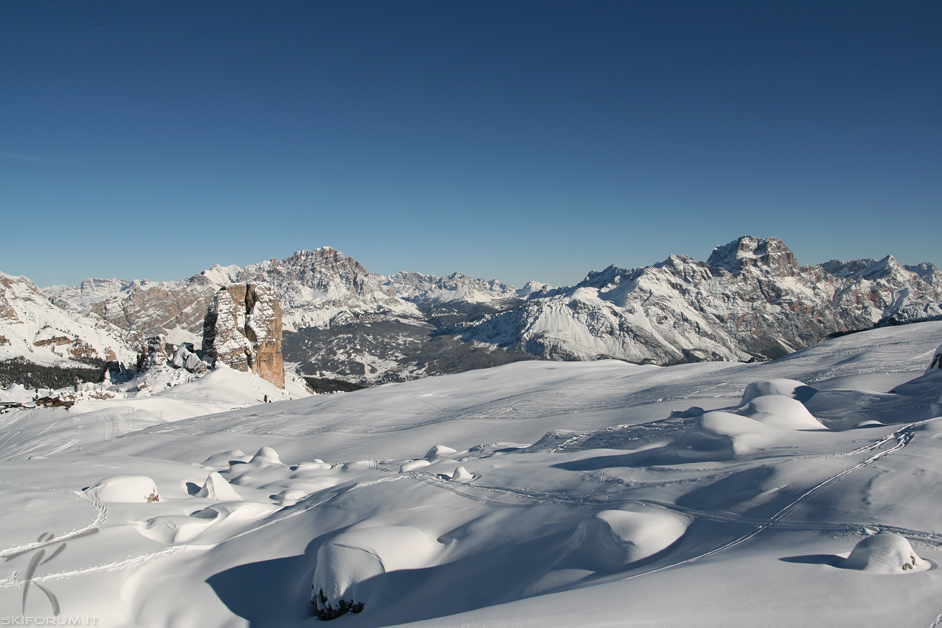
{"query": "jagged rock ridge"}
(316, 288)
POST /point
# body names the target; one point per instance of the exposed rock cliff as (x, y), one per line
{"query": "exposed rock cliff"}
(242, 329)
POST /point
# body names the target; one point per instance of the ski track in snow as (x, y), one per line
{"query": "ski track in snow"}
(903, 436)
(101, 515)
(136, 561)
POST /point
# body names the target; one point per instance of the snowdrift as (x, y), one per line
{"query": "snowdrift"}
(611, 540)
(350, 567)
(884, 553)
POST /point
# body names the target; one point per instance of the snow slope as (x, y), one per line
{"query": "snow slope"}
(533, 494)
(33, 328)
(105, 411)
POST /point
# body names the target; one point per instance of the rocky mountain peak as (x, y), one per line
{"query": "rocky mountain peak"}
(883, 269)
(869, 269)
(927, 271)
(533, 287)
(749, 301)
(325, 260)
(608, 277)
(218, 275)
(429, 289)
(748, 252)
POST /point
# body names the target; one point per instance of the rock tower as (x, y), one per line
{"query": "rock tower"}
(242, 329)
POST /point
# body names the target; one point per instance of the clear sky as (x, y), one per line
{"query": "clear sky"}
(516, 140)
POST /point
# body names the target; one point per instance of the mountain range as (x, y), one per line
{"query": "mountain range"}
(750, 300)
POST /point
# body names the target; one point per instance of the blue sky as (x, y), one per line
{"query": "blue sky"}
(511, 140)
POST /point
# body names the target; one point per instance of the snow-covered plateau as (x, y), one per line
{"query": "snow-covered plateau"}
(795, 492)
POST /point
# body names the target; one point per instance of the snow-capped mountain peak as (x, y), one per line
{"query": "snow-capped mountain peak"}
(748, 252)
(221, 275)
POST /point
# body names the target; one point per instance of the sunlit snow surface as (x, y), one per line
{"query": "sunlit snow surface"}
(534, 494)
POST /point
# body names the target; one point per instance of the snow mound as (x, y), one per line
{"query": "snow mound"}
(170, 529)
(235, 511)
(758, 423)
(461, 475)
(314, 465)
(552, 439)
(128, 489)
(264, 467)
(412, 465)
(723, 435)
(349, 566)
(216, 487)
(782, 412)
(785, 387)
(884, 553)
(289, 496)
(439, 451)
(266, 455)
(226, 458)
(613, 539)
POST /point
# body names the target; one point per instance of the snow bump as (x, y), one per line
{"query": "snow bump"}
(886, 553)
(611, 540)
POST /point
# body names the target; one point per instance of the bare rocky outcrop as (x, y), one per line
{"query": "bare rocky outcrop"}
(242, 329)
(153, 353)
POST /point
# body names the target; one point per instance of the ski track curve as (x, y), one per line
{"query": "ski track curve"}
(142, 559)
(101, 515)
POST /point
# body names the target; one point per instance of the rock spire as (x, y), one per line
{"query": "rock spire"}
(242, 329)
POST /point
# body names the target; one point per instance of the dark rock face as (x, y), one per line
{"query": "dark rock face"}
(242, 329)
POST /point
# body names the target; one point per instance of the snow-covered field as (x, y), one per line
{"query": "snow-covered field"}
(805, 491)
